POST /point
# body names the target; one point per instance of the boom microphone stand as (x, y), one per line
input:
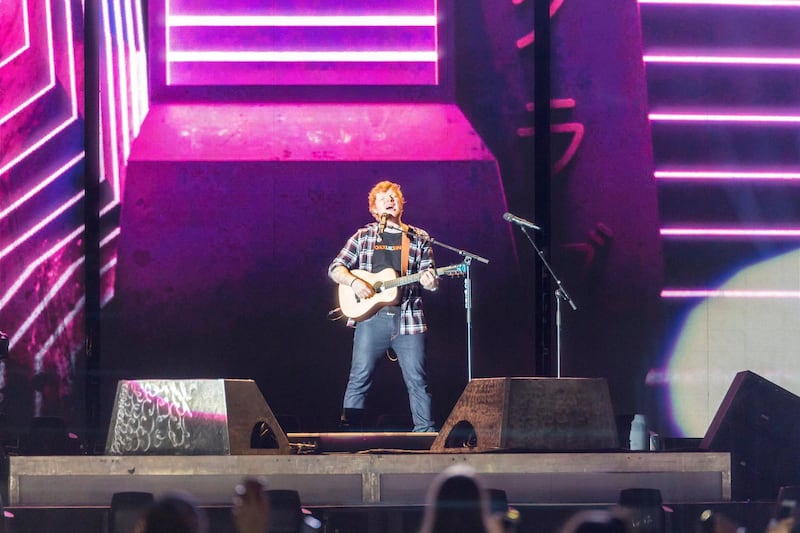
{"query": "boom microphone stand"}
(560, 295)
(468, 257)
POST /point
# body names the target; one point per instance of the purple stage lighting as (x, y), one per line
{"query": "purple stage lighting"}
(42, 232)
(299, 43)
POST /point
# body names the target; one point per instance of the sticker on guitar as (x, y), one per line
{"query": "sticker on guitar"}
(386, 284)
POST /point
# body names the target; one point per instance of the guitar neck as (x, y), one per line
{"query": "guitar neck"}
(399, 282)
(411, 278)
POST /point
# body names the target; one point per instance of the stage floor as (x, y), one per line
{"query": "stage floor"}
(376, 475)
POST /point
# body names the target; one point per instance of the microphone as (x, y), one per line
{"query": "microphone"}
(508, 217)
(382, 226)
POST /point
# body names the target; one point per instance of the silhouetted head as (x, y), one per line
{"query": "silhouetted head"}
(458, 502)
(596, 521)
(174, 513)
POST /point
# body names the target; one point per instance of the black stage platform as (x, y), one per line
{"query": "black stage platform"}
(366, 482)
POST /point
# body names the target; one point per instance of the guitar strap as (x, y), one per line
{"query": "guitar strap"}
(405, 246)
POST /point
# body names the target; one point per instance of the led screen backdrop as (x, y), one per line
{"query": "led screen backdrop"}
(42, 209)
(299, 42)
(41, 206)
(724, 94)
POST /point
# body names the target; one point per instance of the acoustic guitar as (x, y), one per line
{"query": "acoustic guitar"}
(385, 284)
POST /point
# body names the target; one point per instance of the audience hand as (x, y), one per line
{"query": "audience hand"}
(781, 526)
(251, 509)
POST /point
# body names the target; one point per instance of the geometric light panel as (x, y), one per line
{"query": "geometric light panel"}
(17, 37)
(300, 43)
(724, 115)
(42, 169)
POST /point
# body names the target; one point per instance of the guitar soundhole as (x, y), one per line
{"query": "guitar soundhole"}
(378, 286)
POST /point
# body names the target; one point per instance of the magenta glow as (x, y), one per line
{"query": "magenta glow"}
(730, 232)
(733, 175)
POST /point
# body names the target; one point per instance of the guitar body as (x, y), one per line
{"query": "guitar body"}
(386, 285)
(360, 309)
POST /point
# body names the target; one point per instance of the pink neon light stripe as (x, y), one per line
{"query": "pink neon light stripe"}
(111, 103)
(122, 78)
(707, 117)
(109, 294)
(729, 232)
(70, 238)
(723, 293)
(41, 185)
(294, 57)
(323, 56)
(167, 45)
(27, 30)
(55, 131)
(42, 223)
(15, 286)
(108, 266)
(721, 60)
(51, 58)
(73, 93)
(436, 39)
(130, 41)
(754, 3)
(18, 52)
(69, 317)
(70, 47)
(45, 300)
(107, 209)
(702, 175)
(138, 76)
(113, 234)
(141, 69)
(62, 327)
(301, 21)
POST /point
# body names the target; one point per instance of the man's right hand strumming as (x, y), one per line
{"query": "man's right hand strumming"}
(362, 289)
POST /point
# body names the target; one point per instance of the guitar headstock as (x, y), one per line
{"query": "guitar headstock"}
(452, 271)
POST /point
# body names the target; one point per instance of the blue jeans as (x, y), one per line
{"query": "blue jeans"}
(372, 338)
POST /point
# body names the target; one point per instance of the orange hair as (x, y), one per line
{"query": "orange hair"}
(385, 186)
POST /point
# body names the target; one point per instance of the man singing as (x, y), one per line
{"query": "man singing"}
(387, 243)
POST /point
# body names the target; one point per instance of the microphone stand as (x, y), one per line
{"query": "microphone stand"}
(560, 294)
(468, 257)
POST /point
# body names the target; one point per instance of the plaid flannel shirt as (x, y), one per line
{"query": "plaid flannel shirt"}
(357, 254)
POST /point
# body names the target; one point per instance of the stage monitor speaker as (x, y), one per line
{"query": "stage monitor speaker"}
(758, 422)
(532, 414)
(193, 417)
